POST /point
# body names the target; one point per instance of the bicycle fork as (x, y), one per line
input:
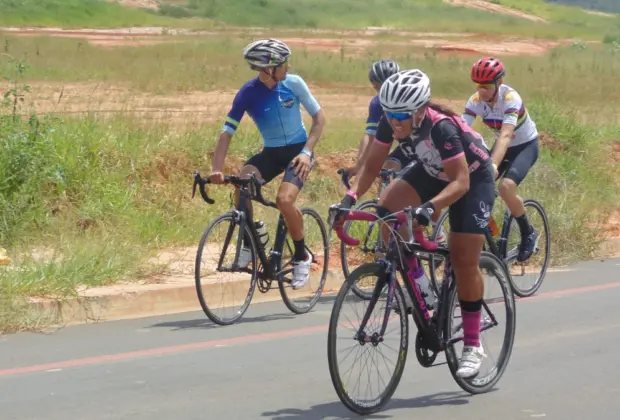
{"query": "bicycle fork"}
(388, 277)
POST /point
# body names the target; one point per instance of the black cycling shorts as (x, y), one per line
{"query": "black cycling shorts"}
(518, 160)
(470, 214)
(272, 161)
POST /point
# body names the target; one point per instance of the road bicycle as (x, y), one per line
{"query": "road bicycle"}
(506, 250)
(436, 333)
(264, 267)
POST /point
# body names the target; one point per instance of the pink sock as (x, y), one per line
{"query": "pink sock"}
(471, 328)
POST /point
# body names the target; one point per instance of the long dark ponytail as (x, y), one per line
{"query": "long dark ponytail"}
(442, 109)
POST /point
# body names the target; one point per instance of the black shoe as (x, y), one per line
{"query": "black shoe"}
(528, 243)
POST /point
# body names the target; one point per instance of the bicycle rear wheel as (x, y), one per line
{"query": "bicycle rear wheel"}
(493, 310)
(527, 277)
(395, 340)
(302, 300)
(242, 281)
(353, 257)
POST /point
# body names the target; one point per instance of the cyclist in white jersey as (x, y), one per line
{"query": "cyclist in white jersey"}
(273, 99)
(516, 146)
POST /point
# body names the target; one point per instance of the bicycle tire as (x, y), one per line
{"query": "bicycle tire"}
(343, 249)
(479, 385)
(252, 287)
(283, 285)
(541, 276)
(352, 404)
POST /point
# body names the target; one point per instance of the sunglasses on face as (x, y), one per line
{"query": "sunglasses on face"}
(487, 86)
(399, 116)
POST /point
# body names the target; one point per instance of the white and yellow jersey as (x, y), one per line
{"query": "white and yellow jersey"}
(509, 109)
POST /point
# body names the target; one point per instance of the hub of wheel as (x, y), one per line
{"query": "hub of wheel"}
(375, 339)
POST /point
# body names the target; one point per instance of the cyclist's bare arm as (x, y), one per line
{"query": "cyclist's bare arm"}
(219, 156)
(318, 123)
(458, 175)
(502, 142)
(362, 154)
(377, 152)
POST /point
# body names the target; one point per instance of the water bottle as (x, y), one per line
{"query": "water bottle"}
(261, 230)
(424, 286)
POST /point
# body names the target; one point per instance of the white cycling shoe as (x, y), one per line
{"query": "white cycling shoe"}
(471, 360)
(301, 272)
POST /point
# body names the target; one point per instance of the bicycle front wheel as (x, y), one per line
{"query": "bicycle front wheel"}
(352, 355)
(214, 273)
(497, 327)
(302, 300)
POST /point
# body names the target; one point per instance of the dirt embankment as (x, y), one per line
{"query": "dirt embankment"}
(351, 41)
(495, 8)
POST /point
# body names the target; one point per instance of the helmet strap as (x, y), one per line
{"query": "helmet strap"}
(270, 73)
(494, 98)
(417, 124)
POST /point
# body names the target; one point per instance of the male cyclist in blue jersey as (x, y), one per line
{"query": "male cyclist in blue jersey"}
(273, 101)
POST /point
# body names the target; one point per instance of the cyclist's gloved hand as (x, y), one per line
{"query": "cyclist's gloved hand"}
(347, 202)
(424, 213)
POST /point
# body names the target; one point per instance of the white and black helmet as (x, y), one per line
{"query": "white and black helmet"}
(266, 53)
(381, 70)
(405, 91)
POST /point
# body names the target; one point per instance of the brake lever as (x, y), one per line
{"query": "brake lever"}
(198, 180)
(344, 177)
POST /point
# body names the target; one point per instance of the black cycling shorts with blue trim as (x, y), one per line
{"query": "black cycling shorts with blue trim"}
(470, 213)
(518, 161)
(272, 161)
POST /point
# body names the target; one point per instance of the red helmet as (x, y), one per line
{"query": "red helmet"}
(487, 70)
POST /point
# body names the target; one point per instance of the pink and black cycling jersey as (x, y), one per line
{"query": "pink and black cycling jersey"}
(439, 139)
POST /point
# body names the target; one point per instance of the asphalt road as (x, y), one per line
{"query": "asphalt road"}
(273, 365)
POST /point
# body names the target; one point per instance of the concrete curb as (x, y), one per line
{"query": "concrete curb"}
(136, 301)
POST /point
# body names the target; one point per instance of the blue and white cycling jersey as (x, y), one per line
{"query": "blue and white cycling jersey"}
(374, 115)
(276, 111)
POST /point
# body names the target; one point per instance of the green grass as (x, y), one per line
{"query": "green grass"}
(76, 14)
(104, 194)
(416, 15)
(214, 63)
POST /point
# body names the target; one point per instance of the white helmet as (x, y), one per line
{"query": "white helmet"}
(405, 91)
(266, 53)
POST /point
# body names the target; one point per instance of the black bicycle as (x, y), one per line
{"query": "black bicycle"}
(506, 248)
(368, 249)
(263, 267)
(436, 333)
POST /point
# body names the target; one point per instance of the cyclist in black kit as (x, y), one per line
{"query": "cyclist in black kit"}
(453, 170)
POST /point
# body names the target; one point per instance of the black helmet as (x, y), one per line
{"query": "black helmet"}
(381, 70)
